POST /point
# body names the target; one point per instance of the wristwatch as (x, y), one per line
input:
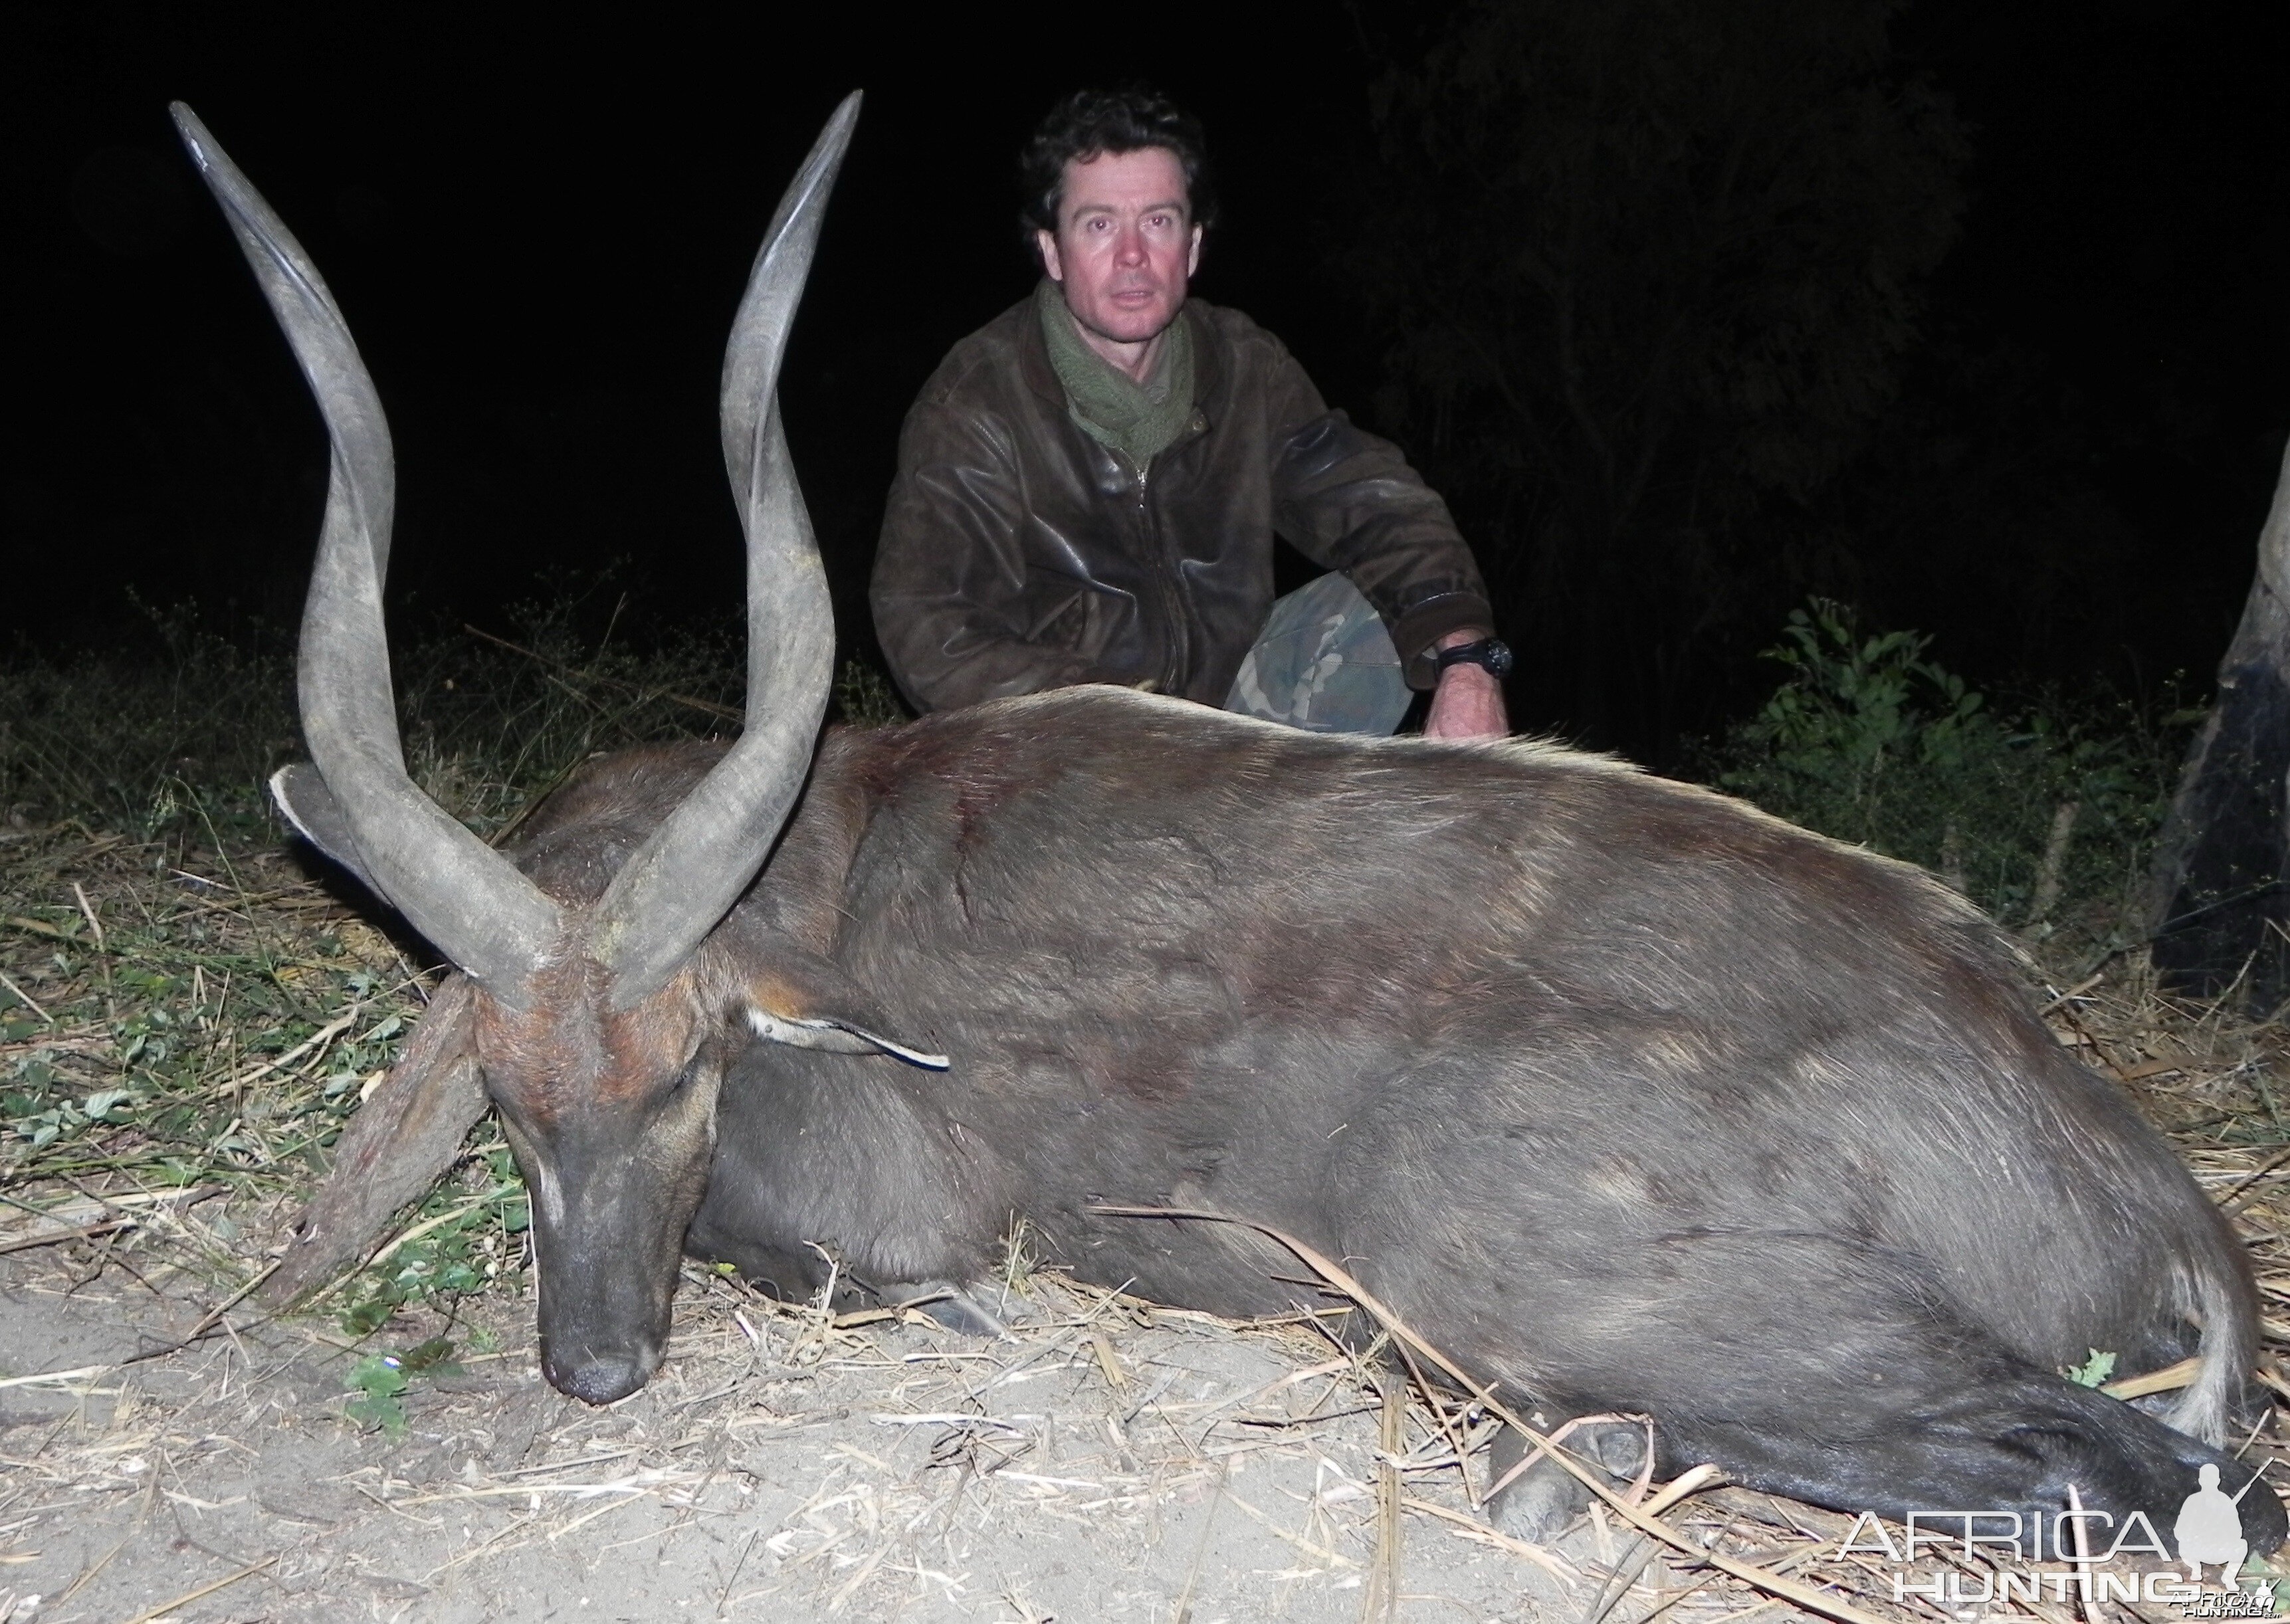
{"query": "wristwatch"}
(1493, 653)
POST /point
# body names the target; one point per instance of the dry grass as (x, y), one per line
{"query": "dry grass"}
(189, 1030)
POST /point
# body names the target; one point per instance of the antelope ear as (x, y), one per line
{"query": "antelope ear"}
(800, 999)
(309, 805)
(401, 1141)
(835, 1035)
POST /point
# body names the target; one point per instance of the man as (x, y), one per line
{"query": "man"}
(1089, 485)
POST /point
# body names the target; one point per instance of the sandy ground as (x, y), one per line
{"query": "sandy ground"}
(166, 1455)
(1107, 1461)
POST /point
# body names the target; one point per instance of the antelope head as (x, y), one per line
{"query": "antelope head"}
(601, 1015)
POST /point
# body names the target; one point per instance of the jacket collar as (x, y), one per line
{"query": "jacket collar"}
(1033, 354)
(1209, 362)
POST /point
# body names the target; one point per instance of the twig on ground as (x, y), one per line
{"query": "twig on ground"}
(1550, 1562)
(25, 1242)
(724, 1597)
(1183, 1613)
(85, 1373)
(207, 1321)
(1380, 1597)
(102, 950)
(87, 1575)
(188, 1597)
(1618, 1583)
(324, 1035)
(30, 1002)
(2091, 1611)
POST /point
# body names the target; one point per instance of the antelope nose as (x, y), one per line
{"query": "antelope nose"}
(599, 1380)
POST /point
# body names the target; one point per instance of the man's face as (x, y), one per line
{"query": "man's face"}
(1125, 242)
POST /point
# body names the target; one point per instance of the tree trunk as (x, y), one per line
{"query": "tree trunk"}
(2220, 896)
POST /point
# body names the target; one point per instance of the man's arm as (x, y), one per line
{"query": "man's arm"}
(1349, 500)
(949, 592)
(1469, 701)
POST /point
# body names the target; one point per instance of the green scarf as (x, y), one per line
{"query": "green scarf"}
(1138, 420)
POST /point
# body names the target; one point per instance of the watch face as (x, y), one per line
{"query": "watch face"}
(1492, 654)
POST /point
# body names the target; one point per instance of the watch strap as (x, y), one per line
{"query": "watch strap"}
(1492, 654)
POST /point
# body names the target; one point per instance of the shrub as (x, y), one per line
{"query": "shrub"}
(2041, 814)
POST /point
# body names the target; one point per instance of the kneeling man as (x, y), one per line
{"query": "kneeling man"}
(1089, 485)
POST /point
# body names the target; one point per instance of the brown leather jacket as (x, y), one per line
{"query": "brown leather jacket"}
(1019, 554)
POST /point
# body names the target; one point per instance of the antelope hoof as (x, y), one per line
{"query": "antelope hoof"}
(1542, 1501)
(950, 1306)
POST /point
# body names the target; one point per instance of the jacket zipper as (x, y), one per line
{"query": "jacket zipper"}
(1172, 597)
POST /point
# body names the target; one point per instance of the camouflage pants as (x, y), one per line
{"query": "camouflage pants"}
(1325, 663)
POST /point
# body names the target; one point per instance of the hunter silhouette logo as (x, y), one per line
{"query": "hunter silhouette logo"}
(2209, 1528)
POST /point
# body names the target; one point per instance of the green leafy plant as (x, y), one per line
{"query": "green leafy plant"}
(459, 1243)
(379, 1382)
(2097, 1371)
(1857, 715)
(2038, 813)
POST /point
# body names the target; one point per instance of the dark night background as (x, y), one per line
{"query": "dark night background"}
(2055, 458)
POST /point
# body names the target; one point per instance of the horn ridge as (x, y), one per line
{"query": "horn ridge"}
(466, 898)
(684, 878)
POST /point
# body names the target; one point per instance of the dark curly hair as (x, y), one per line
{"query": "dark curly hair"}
(1092, 122)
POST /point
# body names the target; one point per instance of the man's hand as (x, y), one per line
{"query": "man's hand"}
(1469, 701)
